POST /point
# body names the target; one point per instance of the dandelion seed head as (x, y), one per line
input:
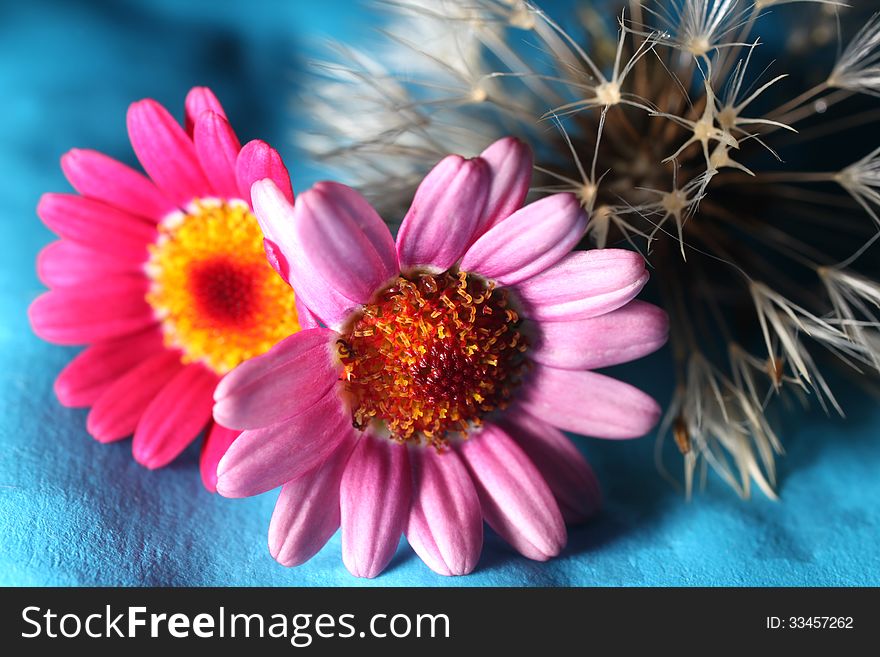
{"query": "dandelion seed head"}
(659, 118)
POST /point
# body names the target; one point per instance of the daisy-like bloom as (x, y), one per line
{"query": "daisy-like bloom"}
(428, 389)
(164, 278)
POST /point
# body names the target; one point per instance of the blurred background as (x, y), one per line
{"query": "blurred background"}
(74, 512)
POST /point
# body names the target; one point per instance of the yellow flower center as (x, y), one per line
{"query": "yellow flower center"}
(218, 299)
(432, 354)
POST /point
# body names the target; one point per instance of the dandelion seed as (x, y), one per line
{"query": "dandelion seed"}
(858, 67)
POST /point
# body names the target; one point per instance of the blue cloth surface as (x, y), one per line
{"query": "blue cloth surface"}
(74, 512)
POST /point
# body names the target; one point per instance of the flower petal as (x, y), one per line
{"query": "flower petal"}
(103, 310)
(445, 525)
(65, 264)
(283, 382)
(510, 164)
(262, 459)
(529, 241)
(343, 241)
(374, 501)
(97, 225)
(104, 179)
(515, 499)
(166, 152)
(584, 284)
(258, 161)
(562, 466)
(589, 403)
(175, 417)
(198, 100)
(97, 367)
(277, 220)
(116, 412)
(307, 512)
(214, 446)
(620, 336)
(217, 148)
(445, 213)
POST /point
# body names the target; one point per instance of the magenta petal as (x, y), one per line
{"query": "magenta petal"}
(215, 445)
(374, 503)
(259, 161)
(307, 512)
(515, 499)
(96, 368)
(510, 163)
(166, 152)
(102, 178)
(217, 148)
(589, 403)
(584, 284)
(445, 524)
(529, 241)
(118, 410)
(283, 382)
(97, 225)
(198, 100)
(344, 241)
(175, 417)
(277, 219)
(445, 213)
(65, 264)
(620, 336)
(562, 466)
(262, 459)
(102, 310)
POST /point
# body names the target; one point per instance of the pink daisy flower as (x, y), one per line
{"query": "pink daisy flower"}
(479, 323)
(164, 278)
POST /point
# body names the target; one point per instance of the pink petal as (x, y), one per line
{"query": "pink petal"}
(96, 368)
(283, 382)
(515, 499)
(214, 447)
(446, 212)
(306, 318)
(217, 148)
(65, 264)
(277, 219)
(307, 512)
(117, 412)
(166, 152)
(562, 466)
(175, 417)
(97, 225)
(375, 498)
(198, 100)
(278, 260)
(258, 161)
(529, 241)
(584, 284)
(103, 310)
(510, 163)
(445, 525)
(263, 459)
(102, 178)
(620, 336)
(343, 241)
(589, 403)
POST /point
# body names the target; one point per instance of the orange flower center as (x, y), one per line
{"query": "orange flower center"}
(218, 299)
(433, 354)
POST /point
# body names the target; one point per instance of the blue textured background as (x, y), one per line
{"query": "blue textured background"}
(76, 512)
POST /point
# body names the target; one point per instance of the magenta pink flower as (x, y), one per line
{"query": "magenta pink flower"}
(478, 323)
(165, 278)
